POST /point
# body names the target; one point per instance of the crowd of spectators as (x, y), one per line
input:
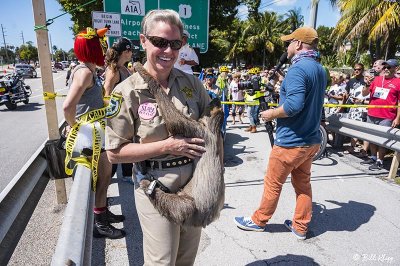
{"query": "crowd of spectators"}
(379, 85)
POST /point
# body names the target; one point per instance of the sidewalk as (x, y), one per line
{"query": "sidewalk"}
(355, 216)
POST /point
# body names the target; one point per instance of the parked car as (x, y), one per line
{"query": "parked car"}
(26, 70)
(65, 64)
(59, 66)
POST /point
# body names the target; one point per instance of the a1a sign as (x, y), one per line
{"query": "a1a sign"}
(194, 14)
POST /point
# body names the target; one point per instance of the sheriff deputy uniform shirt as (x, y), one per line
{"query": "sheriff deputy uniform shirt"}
(140, 120)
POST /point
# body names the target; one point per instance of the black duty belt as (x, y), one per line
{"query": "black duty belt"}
(176, 162)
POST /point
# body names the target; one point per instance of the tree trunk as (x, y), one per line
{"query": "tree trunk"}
(263, 64)
(371, 53)
(378, 49)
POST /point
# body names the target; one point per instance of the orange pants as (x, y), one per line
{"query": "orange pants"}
(282, 162)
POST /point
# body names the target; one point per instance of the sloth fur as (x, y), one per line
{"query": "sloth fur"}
(200, 201)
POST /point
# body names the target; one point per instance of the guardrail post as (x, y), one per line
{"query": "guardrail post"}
(394, 166)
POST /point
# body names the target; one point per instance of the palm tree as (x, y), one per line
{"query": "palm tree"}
(263, 33)
(229, 41)
(314, 11)
(294, 18)
(376, 19)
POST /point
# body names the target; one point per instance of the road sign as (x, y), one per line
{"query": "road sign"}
(194, 15)
(101, 19)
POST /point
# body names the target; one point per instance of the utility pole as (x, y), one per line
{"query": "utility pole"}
(22, 36)
(42, 37)
(4, 41)
(313, 13)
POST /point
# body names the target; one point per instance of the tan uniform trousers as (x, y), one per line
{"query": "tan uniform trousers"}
(165, 243)
(282, 162)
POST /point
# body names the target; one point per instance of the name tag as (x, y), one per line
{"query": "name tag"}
(381, 93)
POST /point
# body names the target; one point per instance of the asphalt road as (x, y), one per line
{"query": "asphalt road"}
(355, 215)
(23, 130)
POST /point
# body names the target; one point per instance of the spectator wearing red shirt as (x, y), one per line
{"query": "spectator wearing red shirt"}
(383, 90)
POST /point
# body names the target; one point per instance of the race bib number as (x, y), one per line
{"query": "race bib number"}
(381, 93)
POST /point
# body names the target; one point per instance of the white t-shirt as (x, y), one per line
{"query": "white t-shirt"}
(237, 95)
(186, 52)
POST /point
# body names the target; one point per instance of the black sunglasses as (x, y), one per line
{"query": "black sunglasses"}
(160, 42)
(357, 69)
(387, 67)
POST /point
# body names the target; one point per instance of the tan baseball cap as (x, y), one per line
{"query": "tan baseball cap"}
(304, 34)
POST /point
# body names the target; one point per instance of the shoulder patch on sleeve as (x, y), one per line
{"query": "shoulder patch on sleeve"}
(114, 105)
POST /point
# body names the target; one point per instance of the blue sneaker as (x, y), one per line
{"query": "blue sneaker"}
(246, 223)
(289, 226)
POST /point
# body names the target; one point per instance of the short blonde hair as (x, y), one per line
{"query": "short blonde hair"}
(335, 74)
(168, 16)
(236, 75)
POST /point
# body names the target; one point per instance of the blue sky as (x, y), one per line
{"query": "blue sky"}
(17, 16)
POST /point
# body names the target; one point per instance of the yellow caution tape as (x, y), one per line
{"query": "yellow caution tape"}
(92, 117)
(325, 105)
(248, 103)
(360, 105)
(52, 96)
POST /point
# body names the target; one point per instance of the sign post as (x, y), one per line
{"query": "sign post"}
(193, 14)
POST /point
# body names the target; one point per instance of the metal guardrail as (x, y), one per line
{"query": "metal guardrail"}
(74, 246)
(18, 201)
(382, 136)
(20, 197)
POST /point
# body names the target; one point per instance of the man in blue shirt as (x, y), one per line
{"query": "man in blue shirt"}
(297, 136)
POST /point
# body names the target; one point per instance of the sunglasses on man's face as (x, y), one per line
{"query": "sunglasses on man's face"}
(160, 42)
(357, 69)
(209, 77)
(387, 67)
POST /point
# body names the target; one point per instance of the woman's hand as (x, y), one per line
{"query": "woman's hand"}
(189, 147)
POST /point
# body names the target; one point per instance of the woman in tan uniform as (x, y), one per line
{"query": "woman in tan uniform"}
(137, 133)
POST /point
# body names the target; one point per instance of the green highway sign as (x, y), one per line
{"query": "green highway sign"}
(194, 14)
